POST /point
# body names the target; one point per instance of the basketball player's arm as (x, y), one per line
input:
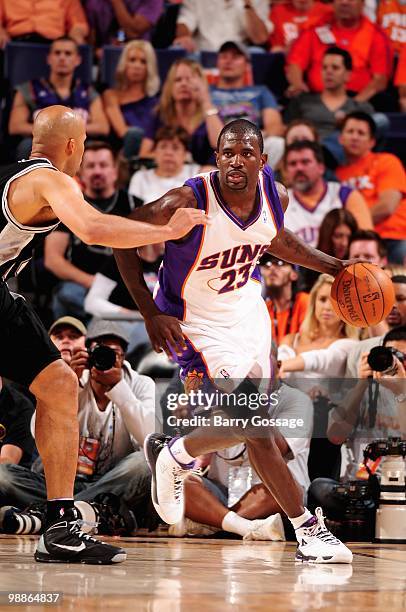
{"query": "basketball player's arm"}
(162, 329)
(289, 247)
(63, 195)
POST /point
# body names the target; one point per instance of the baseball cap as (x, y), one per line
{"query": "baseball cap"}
(70, 322)
(100, 328)
(237, 46)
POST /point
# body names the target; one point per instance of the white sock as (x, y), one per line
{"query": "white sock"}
(179, 452)
(298, 521)
(234, 523)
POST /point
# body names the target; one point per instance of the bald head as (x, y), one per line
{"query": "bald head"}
(57, 124)
(59, 134)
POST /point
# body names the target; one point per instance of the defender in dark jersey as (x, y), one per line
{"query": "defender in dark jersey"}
(35, 193)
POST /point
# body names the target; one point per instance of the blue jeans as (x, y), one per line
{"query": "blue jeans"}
(129, 479)
(68, 299)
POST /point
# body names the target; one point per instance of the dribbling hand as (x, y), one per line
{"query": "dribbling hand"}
(184, 220)
(164, 332)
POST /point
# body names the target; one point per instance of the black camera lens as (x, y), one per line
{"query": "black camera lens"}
(101, 357)
(380, 358)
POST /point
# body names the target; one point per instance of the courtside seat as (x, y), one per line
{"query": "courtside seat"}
(111, 55)
(26, 61)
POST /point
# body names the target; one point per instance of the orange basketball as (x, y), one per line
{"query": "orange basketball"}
(362, 294)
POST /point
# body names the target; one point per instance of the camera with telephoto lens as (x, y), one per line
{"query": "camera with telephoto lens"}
(101, 357)
(381, 359)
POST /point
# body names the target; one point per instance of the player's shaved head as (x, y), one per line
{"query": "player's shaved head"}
(59, 134)
(240, 129)
(56, 125)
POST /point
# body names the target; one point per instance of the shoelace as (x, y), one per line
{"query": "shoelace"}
(179, 476)
(320, 530)
(76, 530)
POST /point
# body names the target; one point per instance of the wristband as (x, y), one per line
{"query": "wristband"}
(400, 398)
(211, 112)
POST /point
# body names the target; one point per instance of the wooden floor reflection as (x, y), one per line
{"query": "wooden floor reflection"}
(189, 575)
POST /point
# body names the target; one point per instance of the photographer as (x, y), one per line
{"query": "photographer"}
(374, 408)
(116, 412)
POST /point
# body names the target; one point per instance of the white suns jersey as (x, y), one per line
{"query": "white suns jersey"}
(304, 221)
(212, 276)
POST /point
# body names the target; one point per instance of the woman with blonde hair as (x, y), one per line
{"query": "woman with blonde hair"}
(322, 346)
(185, 102)
(130, 105)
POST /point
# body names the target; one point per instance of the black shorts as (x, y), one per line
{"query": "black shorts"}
(25, 346)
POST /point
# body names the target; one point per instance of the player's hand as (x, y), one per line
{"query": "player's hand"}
(79, 361)
(165, 333)
(184, 220)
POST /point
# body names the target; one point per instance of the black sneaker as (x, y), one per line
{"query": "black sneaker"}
(64, 542)
(113, 515)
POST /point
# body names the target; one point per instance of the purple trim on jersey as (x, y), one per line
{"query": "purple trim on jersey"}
(272, 197)
(256, 275)
(179, 258)
(304, 205)
(214, 180)
(344, 193)
(191, 360)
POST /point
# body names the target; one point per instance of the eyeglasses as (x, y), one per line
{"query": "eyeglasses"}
(276, 262)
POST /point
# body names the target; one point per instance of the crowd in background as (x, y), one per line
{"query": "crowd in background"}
(325, 110)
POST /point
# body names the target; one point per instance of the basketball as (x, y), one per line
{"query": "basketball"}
(362, 294)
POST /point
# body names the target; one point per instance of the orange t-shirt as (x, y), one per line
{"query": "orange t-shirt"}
(368, 45)
(50, 18)
(288, 321)
(289, 22)
(392, 19)
(400, 76)
(372, 174)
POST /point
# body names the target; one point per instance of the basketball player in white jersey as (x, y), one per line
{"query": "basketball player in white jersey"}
(35, 194)
(209, 314)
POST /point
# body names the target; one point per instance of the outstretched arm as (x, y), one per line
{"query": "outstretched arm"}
(63, 195)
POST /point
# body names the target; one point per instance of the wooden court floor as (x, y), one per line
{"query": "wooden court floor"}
(191, 575)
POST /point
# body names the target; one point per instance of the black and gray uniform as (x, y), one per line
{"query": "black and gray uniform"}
(25, 347)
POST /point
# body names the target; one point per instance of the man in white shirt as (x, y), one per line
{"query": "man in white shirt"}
(170, 153)
(205, 26)
(116, 413)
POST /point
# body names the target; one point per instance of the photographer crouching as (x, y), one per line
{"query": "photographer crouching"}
(116, 412)
(375, 408)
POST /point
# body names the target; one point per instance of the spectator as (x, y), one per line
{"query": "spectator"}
(392, 19)
(206, 26)
(68, 334)
(72, 261)
(111, 21)
(210, 501)
(368, 245)
(130, 105)
(400, 79)
(348, 29)
(291, 18)
(30, 21)
(60, 88)
(395, 318)
(335, 234)
(311, 197)
(116, 412)
(381, 179)
(235, 100)
(327, 108)
(286, 306)
(186, 102)
(301, 129)
(16, 441)
(170, 154)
